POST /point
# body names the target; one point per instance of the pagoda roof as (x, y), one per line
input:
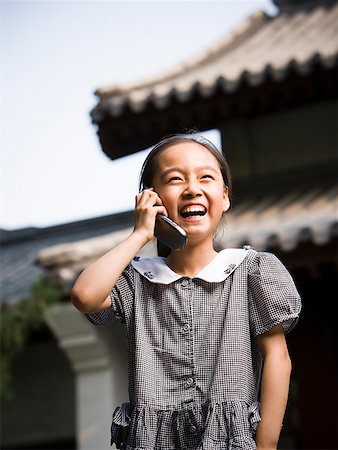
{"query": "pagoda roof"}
(260, 47)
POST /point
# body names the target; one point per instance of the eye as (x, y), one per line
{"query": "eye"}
(207, 176)
(174, 179)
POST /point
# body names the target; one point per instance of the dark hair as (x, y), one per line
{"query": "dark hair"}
(150, 165)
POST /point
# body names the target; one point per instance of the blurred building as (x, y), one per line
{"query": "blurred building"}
(270, 87)
(43, 411)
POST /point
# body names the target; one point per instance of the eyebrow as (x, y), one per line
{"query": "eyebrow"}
(178, 169)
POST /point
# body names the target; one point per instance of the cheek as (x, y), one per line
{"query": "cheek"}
(167, 197)
(220, 201)
(169, 203)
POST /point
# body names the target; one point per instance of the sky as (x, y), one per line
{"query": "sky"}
(54, 55)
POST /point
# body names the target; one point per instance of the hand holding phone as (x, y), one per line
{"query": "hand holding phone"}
(169, 233)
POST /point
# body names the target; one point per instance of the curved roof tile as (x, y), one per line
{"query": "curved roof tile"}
(258, 47)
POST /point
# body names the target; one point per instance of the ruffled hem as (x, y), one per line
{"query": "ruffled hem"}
(119, 426)
(217, 426)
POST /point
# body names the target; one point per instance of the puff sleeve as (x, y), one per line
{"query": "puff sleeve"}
(273, 297)
(122, 300)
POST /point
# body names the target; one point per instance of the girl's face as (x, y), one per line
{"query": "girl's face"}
(189, 182)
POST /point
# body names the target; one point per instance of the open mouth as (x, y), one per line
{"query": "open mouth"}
(193, 211)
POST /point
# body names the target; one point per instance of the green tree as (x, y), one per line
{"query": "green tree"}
(17, 324)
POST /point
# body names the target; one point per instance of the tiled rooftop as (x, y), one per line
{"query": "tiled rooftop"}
(261, 46)
(19, 249)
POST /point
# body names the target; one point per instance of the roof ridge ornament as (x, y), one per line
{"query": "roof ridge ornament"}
(289, 6)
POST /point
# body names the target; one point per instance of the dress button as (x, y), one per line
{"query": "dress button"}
(193, 429)
(186, 327)
(190, 381)
(185, 282)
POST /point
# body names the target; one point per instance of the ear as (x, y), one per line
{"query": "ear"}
(226, 201)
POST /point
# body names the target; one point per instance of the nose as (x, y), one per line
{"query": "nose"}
(192, 189)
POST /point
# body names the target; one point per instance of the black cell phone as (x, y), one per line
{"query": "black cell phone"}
(169, 233)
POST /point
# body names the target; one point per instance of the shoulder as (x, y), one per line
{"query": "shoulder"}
(258, 263)
(262, 261)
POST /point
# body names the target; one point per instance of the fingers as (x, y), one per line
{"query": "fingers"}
(147, 198)
(148, 205)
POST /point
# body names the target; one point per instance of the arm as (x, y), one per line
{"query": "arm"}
(91, 290)
(274, 387)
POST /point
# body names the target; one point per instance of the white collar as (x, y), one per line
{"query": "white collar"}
(157, 271)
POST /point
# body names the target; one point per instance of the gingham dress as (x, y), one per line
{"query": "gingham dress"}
(194, 365)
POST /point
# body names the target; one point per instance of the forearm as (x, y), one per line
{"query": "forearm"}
(96, 282)
(91, 290)
(274, 394)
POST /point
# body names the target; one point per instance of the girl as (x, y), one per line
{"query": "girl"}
(209, 367)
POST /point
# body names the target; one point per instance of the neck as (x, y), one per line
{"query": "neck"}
(190, 260)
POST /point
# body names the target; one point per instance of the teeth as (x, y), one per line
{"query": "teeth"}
(193, 211)
(189, 209)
